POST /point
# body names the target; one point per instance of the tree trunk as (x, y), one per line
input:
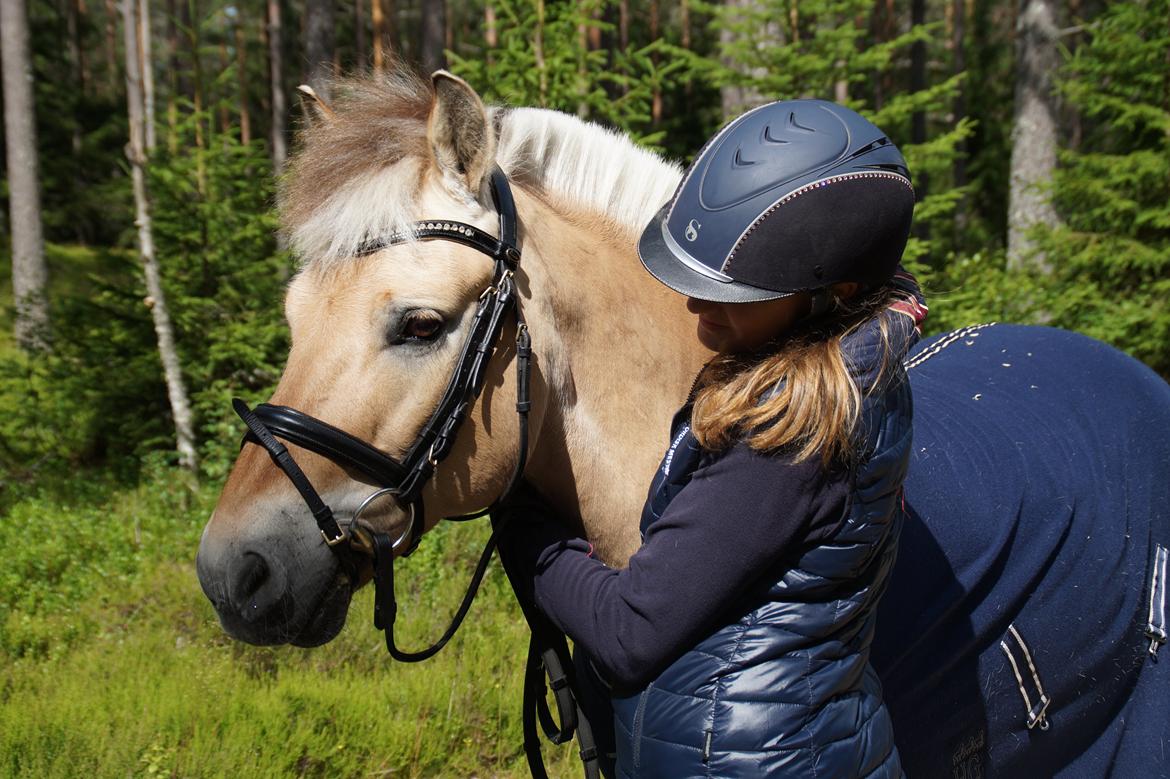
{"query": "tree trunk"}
(385, 33)
(74, 12)
(918, 118)
(624, 24)
(1033, 132)
(111, 47)
(242, 79)
(136, 152)
(918, 71)
(433, 34)
(30, 275)
(491, 36)
(278, 146)
(359, 33)
(319, 40)
(959, 66)
(735, 98)
(172, 79)
(146, 56)
(225, 119)
(189, 23)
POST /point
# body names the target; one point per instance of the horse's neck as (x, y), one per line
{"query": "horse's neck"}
(617, 352)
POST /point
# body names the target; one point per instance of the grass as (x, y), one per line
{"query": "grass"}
(115, 665)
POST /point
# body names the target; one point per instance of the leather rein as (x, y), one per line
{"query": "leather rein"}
(404, 479)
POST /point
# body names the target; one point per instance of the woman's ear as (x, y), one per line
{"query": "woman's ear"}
(460, 132)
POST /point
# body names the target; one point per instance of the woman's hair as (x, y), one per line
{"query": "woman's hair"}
(794, 395)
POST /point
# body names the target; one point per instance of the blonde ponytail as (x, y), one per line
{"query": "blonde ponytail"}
(799, 397)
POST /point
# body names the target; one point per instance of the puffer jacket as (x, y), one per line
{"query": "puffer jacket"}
(786, 688)
(736, 641)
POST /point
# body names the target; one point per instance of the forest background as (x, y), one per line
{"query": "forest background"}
(1038, 132)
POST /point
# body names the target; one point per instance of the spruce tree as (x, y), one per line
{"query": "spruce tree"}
(1111, 261)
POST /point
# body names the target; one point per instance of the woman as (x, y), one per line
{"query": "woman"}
(736, 642)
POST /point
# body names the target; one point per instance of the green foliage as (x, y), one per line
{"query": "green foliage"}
(543, 59)
(223, 275)
(116, 665)
(81, 130)
(98, 395)
(1110, 259)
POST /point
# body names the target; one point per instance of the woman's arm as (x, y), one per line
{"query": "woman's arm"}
(738, 517)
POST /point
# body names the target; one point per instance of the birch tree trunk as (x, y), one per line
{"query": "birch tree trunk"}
(1033, 131)
(30, 275)
(278, 146)
(319, 45)
(156, 300)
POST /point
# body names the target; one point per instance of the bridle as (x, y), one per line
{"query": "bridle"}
(404, 479)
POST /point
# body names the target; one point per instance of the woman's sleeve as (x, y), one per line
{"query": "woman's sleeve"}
(737, 519)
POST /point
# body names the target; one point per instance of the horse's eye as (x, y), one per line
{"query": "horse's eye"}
(418, 328)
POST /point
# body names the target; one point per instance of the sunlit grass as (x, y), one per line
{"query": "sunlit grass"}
(115, 664)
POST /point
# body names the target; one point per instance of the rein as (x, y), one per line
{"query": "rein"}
(404, 479)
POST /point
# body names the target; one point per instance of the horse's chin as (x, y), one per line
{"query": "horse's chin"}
(328, 618)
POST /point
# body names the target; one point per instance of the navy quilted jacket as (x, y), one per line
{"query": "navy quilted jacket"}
(737, 640)
(786, 689)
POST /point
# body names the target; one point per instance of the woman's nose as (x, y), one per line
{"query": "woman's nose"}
(696, 306)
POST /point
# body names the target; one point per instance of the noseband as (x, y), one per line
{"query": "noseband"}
(404, 479)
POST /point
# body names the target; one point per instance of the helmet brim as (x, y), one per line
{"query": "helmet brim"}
(660, 259)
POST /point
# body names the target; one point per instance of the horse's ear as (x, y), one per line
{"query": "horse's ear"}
(460, 131)
(315, 108)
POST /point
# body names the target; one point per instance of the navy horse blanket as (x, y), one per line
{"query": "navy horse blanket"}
(1022, 633)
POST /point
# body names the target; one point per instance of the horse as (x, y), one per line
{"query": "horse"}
(1021, 631)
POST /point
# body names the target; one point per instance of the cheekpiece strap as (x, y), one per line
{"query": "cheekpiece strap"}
(279, 454)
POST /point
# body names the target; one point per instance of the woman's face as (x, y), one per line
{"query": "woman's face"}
(744, 327)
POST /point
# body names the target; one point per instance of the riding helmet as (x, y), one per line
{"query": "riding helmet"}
(792, 196)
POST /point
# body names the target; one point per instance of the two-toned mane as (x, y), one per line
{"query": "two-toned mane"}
(361, 167)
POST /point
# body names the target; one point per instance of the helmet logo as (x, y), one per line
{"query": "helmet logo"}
(692, 231)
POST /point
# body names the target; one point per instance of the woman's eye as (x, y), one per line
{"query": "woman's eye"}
(419, 328)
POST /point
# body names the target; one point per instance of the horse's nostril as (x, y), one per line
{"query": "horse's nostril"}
(251, 589)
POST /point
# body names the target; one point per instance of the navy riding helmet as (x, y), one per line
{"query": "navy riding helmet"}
(792, 196)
